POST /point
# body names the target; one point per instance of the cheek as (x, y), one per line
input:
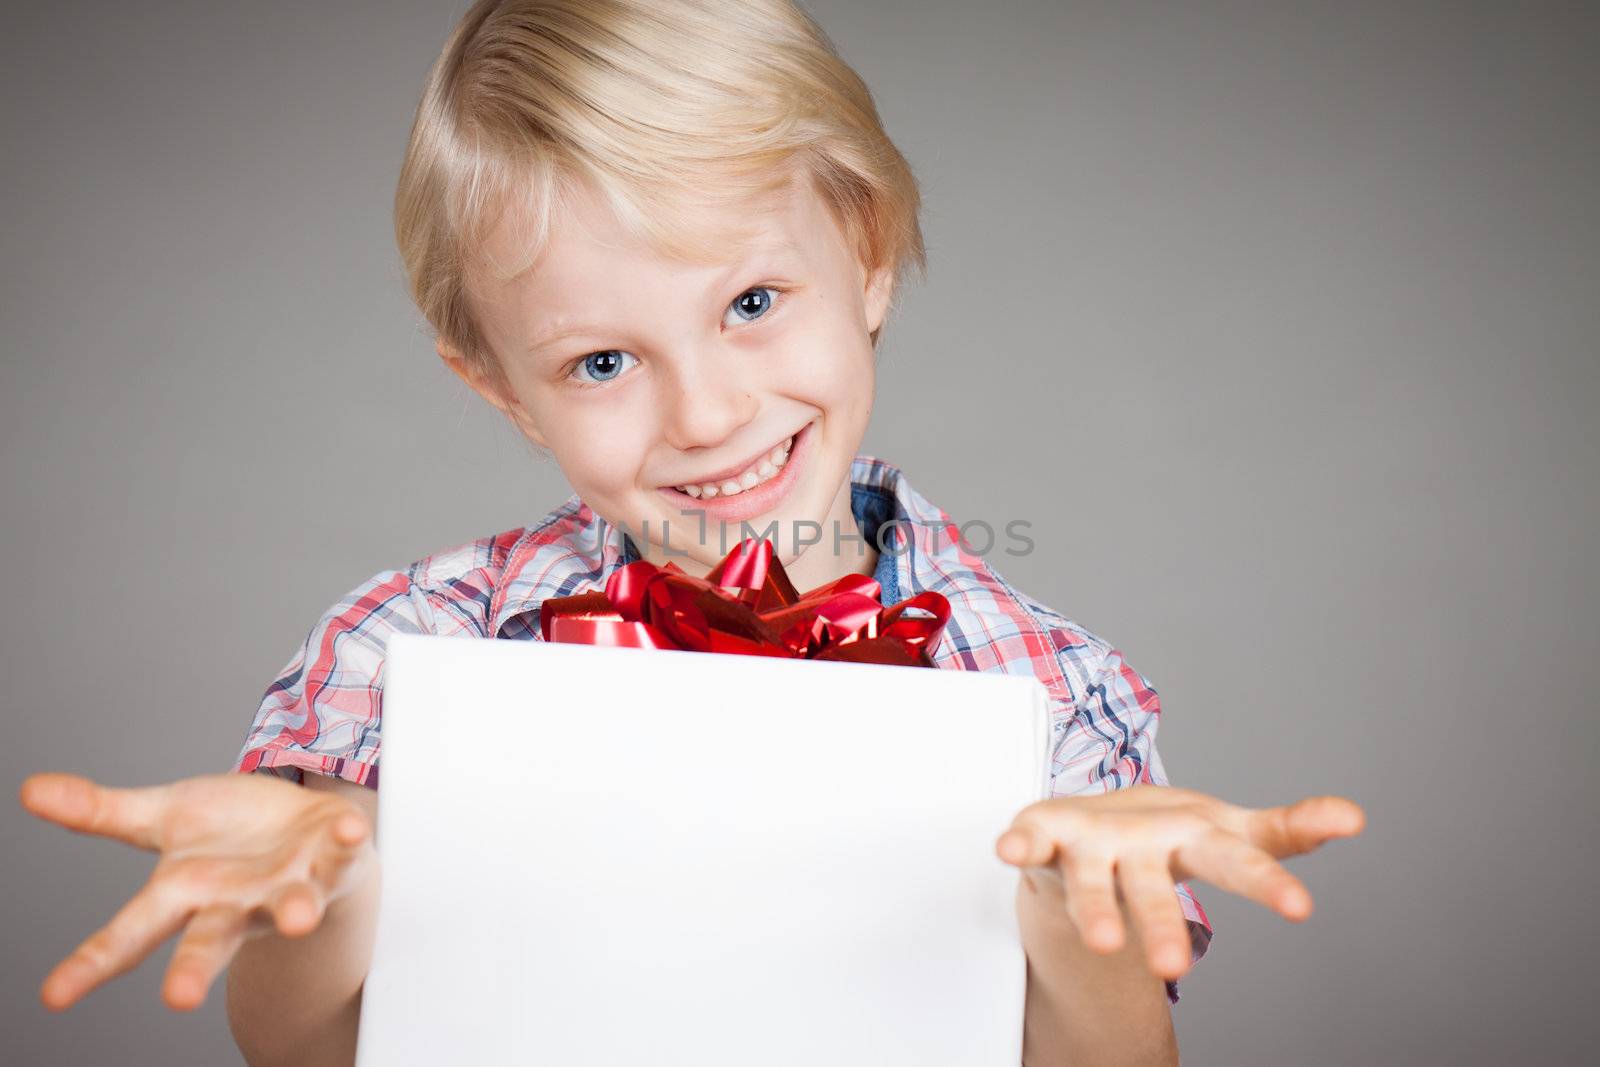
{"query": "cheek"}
(832, 368)
(598, 443)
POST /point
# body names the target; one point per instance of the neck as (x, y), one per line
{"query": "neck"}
(831, 557)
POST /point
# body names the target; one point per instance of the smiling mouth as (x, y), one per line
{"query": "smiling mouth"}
(763, 469)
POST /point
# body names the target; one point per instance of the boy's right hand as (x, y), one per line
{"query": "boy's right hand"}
(241, 855)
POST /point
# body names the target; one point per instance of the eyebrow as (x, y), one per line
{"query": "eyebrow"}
(766, 252)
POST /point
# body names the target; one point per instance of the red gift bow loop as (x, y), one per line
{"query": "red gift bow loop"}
(746, 605)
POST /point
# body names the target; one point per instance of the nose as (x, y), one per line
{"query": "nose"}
(708, 403)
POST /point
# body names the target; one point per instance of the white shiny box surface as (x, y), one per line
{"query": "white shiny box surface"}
(614, 856)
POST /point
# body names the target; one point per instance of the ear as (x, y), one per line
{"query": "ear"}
(878, 290)
(481, 384)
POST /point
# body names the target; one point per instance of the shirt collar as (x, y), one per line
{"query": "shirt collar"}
(574, 550)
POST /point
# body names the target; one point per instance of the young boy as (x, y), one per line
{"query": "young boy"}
(662, 239)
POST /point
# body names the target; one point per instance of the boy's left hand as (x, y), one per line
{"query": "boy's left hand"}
(1132, 845)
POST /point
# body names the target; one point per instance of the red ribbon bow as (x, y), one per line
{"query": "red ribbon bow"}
(748, 606)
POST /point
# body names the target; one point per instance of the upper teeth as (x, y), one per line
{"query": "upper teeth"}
(764, 468)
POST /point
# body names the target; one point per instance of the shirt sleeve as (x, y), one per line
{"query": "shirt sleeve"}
(324, 710)
(1110, 743)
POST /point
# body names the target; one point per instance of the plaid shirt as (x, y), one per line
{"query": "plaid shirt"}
(324, 711)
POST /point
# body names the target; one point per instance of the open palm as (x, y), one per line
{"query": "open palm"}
(240, 856)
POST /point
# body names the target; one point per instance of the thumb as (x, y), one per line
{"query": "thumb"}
(1296, 828)
(85, 806)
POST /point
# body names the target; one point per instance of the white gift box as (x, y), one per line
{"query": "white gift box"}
(616, 856)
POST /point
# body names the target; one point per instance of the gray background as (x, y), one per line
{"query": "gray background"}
(1277, 320)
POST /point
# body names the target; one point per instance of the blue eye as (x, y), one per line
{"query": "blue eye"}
(753, 303)
(603, 366)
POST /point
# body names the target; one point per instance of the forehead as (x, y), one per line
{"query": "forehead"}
(589, 247)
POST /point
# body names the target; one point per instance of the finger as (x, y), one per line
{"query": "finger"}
(152, 916)
(350, 829)
(346, 834)
(206, 947)
(1090, 886)
(1235, 865)
(1296, 828)
(335, 851)
(70, 800)
(297, 908)
(1026, 845)
(1152, 900)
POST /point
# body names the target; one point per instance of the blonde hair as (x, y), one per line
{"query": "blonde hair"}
(660, 106)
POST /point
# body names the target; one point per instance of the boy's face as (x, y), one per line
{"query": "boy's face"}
(664, 387)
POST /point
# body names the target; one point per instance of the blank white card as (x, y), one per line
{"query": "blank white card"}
(621, 857)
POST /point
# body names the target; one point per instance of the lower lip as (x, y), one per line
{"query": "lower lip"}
(751, 502)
